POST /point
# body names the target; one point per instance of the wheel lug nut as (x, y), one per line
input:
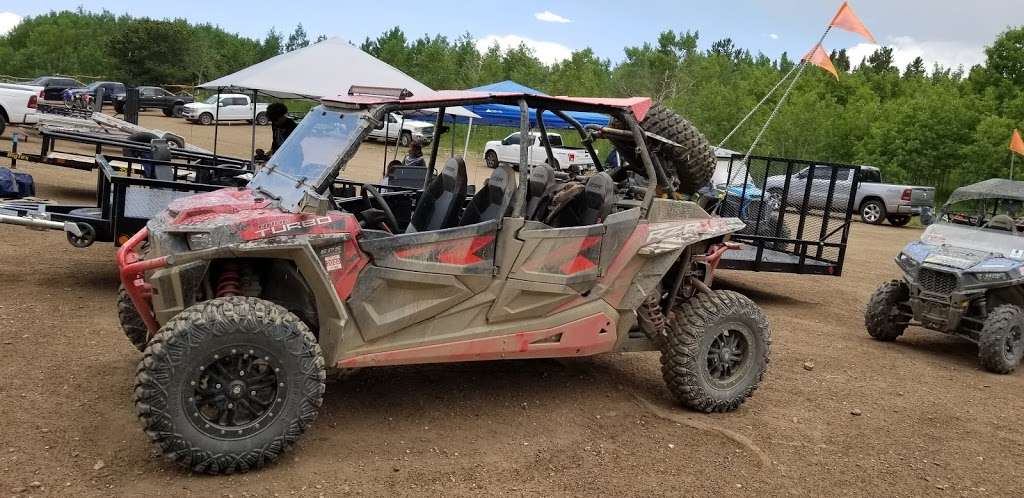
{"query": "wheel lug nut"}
(218, 386)
(241, 373)
(252, 393)
(231, 405)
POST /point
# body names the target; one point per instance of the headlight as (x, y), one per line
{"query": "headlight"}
(197, 241)
(991, 276)
(907, 262)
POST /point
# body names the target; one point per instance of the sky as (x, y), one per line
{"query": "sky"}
(948, 32)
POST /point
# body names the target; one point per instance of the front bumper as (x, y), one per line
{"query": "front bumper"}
(132, 271)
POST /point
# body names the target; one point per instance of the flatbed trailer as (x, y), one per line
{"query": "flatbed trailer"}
(49, 153)
(799, 223)
(125, 199)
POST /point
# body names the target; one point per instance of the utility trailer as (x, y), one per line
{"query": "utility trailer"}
(102, 143)
(798, 213)
(125, 198)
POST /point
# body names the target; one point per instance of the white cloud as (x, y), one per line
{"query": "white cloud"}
(948, 54)
(548, 52)
(548, 16)
(8, 20)
(773, 36)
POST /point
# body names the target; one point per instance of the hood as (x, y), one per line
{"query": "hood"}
(965, 247)
(198, 209)
(418, 124)
(752, 192)
(234, 215)
(26, 88)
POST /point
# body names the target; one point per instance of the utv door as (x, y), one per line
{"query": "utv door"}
(417, 276)
(556, 265)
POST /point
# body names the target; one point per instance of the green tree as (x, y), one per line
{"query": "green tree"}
(272, 45)
(151, 52)
(298, 39)
(1005, 57)
(915, 69)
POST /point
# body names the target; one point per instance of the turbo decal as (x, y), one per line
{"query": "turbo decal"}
(278, 227)
(283, 225)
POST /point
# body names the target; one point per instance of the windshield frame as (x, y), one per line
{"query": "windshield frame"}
(281, 182)
(990, 204)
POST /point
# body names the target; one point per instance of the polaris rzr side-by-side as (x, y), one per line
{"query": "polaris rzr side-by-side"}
(965, 276)
(243, 298)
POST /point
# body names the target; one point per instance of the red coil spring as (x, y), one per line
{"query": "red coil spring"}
(229, 283)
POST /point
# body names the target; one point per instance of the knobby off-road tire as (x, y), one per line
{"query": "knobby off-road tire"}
(716, 352)
(131, 322)
(885, 315)
(1001, 344)
(691, 165)
(229, 384)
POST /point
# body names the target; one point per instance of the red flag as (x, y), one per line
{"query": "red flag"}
(819, 57)
(1016, 144)
(846, 19)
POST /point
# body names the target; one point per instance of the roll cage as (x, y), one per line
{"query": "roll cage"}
(378, 103)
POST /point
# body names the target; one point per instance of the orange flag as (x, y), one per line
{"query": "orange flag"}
(1016, 144)
(846, 19)
(819, 57)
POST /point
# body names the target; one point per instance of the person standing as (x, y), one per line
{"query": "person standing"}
(280, 124)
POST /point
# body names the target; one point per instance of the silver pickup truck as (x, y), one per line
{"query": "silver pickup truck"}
(875, 201)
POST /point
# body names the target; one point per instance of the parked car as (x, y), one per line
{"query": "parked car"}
(233, 107)
(112, 90)
(507, 152)
(154, 97)
(18, 104)
(404, 131)
(875, 201)
(54, 86)
(964, 277)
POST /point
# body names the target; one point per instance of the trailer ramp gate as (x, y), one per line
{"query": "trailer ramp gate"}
(798, 213)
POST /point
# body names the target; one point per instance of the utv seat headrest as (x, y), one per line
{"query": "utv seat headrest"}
(439, 205)
(494, 199)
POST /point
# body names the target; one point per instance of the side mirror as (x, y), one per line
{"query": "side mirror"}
(801, 175)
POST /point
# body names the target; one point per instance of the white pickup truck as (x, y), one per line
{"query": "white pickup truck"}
(233, 107)
(18, 105)
(404, 131)
(507, 151)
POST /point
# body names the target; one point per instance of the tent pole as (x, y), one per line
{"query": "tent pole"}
(453, 136)
(469, 129)
(216, 126)
(387, 131)
(1012, 157)
(252, 148)
(400, 127)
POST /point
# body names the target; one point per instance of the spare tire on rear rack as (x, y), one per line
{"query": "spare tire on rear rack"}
(689, 165)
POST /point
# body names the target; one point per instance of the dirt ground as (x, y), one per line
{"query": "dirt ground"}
(930, 423)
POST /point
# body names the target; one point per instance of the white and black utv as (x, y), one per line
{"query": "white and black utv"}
(965, 276)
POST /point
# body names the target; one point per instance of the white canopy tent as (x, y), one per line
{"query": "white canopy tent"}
(326, 68)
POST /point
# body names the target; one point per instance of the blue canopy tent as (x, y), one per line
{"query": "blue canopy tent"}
(508, 115)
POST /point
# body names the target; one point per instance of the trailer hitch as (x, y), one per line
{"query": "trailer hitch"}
(79, 234)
